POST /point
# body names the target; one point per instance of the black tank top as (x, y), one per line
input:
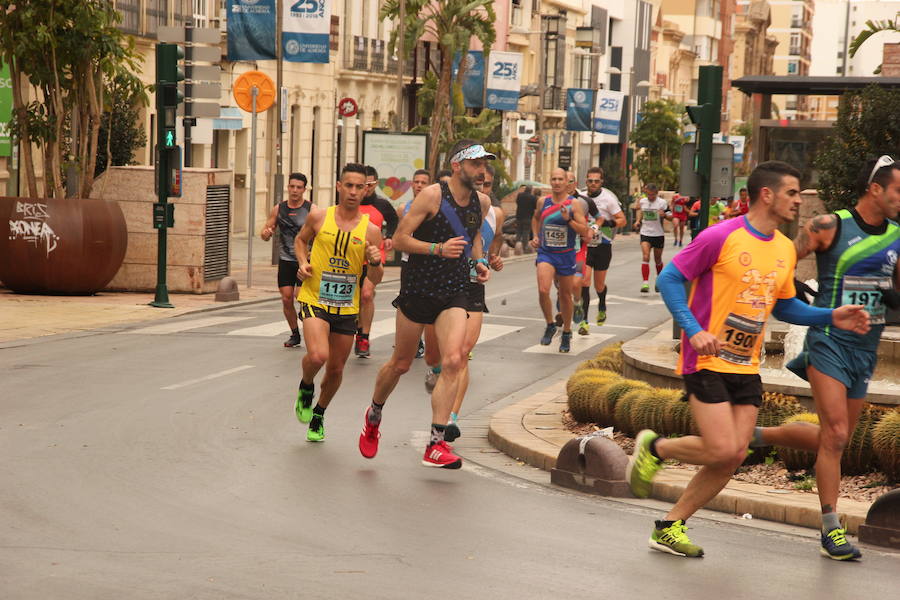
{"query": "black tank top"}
(435, 276)
(289, 222)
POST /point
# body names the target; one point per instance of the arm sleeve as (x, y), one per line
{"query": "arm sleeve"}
(671, 285)
(390, 217)
(792, 310)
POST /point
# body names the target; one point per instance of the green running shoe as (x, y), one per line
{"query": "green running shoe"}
(316, 431)
(303, 405)
(645, 288)
(642, 465)
(601, 317)
(578, 313)
(584, 328)
(674, 540)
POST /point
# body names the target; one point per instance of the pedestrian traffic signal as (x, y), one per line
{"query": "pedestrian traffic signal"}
(169, 73)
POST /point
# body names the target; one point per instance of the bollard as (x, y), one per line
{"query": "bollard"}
(882, 526)
(227, 291)
(592, 464)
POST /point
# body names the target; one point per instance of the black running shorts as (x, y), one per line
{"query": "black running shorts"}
(424, 309)
(599, 257)
(287, 273)
(475, 296)
(655, 241)
(343, 324)
(712, 387)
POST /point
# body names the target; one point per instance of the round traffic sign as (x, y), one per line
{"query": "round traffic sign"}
(347, 107)
(243, 90)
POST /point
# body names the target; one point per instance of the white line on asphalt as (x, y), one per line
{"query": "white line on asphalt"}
(580, 343)
(490, 331)
(646, 301)
(382, 327)
(208, 377)
(178, 326)
(267, 330)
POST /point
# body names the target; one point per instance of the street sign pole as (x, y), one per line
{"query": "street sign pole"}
(186, 121)
(707, 117)
(251, 226)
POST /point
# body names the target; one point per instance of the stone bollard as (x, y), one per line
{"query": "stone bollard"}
(594, 464)
(504, 251)
(882, 526)
(227, 290)
(518, 249)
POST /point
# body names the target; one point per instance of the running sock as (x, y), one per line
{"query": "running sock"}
(318, 414)
(659, 268)
(375, 414)
(454, 416)
(653, 450)
(318, 410)
(830, 521)
(363, 336)
(295, 331)
(664, 524)
(307, 386)
(601, 297)
(436, 370)
(585, 301)
(757, 440)
(437, 433)
(645, 271)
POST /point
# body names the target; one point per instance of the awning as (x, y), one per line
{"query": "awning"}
(230, 118)
(801, 85)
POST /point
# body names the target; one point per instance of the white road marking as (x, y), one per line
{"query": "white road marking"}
(267, 330)
(580, 343)
(490, 331)
(179, 326)
(383, 327)
(646, 301)
(208, 377)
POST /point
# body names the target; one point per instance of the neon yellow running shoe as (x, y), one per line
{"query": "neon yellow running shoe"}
(316, 431)
(303, 405)
(674, 540)
(642, 465)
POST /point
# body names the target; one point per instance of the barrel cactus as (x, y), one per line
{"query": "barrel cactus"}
(886, 444)
(776, 408)
(623, 409)
(649, 410)
(614, 392)
(586, 390)
(794, 459)
(858, 457)
(679, 419)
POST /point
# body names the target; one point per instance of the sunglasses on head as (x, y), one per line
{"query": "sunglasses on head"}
(884, 161)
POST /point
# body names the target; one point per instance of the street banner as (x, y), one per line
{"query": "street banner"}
(608, 112)
(307, 27)
(504, 80)
(396, 157)
(738, 142)
(578, 109)
(6, 103)
(251, 29)
(473, 82)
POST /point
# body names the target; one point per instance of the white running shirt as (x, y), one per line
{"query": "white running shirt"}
(653, 214)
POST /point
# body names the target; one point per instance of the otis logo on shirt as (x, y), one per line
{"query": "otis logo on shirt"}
(339, 263)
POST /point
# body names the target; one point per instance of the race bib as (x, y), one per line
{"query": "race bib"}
(337, 289)
(738, 339)
(679, 208)
(865, 291)
(651, 215)
(556, 236)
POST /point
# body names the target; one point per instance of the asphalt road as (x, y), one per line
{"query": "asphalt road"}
(163, 460)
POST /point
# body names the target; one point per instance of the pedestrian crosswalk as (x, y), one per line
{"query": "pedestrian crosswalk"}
(237, 327)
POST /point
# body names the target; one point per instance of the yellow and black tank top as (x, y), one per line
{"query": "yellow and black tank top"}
(337, 260)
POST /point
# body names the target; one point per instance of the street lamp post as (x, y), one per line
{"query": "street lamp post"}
(632, 86)
(550, 31)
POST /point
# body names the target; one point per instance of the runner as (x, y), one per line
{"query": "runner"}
(582, 273)
(383, 215)
(856, 255)
(526, 202)
(742, 204)
(345, 251)
(599, 254)
(649, 221)
(288, 217)
(679, 210)
(741, 271)
(440, 232)
(421, 179)
(556, 222)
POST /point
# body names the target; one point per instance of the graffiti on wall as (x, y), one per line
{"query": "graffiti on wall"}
(30, 225)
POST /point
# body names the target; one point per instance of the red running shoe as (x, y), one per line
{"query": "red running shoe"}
(368, 439)
(362, 347)
(441, 455)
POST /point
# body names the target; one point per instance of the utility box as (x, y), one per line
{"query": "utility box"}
(722, 172)
(198, 239)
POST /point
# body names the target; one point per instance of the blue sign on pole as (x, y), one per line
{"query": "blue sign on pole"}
(578, 109)
(473, 82)
(251, 29)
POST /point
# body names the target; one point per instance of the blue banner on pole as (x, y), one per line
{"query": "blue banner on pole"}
(473, 82)
(306, 33)
(251, 29)
(578, 109)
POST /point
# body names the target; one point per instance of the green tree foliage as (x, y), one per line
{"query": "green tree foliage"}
(872, 27)
(868, 125)
(120, 130)
(453, 23)
(658, 135)
(614, 176)
(67, 51)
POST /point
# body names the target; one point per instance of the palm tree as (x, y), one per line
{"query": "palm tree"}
(872, 27)
(452, 23)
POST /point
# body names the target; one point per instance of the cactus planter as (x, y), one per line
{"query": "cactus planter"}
(886, 444)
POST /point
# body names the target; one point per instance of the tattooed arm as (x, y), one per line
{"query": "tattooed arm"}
(817, 235)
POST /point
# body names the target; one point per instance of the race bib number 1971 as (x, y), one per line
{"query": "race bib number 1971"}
(866, 291)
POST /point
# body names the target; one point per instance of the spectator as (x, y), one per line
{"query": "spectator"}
(526, 202)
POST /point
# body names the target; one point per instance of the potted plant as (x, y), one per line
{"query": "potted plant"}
(62, 57)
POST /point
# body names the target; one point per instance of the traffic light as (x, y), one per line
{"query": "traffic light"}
(169, 73)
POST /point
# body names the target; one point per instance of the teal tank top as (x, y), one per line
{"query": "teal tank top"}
(854, 270)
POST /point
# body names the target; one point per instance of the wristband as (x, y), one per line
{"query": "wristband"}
(375, 264)
(482, 260)
(431, 250)
(441, 249)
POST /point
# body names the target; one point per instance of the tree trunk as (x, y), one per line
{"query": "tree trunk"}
(94, 93)
(27, 159)
(441, 108)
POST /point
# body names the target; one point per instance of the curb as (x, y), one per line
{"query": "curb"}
(532, 431)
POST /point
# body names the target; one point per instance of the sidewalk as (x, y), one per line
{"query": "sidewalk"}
(532, 431)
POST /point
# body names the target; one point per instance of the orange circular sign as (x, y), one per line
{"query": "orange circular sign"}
(243, 90)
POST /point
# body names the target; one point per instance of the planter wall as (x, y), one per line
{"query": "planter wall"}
(60, 246)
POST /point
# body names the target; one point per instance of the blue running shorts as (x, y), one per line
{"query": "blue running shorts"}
(563, 262)
(851, 366)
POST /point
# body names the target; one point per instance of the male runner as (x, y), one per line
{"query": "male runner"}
(856, 255)
(346, 250)
(441, 232)
(556, 222)
(679, 210)
(742, 204)
(741, 271)
(582, 273)
(383, 215)
(599, 254)
(288, 216)
(649, 221)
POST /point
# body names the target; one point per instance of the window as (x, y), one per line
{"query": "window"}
(550, 45)
(131, 15)
(583, 68)
(793, 67)
(201, 19)
(157, 15)
(794, 49)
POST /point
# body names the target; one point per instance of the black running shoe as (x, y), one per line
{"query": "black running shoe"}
(292, 341)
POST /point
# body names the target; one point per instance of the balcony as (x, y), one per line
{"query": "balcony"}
(554, 98)
(795, 50)
(378, 58)
(359, 59)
